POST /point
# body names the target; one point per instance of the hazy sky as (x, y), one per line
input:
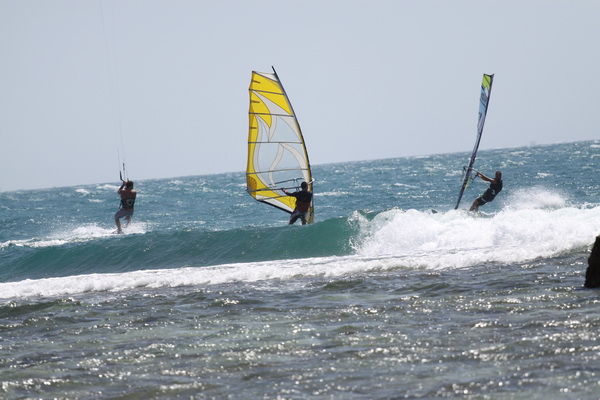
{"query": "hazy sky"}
(368, 79)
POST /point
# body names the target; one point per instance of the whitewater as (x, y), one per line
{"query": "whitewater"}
(391, 293)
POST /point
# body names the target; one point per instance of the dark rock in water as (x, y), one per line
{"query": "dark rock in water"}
(592, 275)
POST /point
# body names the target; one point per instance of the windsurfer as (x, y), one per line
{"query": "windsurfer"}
(128, 196)
(490, 193)
(303, 200)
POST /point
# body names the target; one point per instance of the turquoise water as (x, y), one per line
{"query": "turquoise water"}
(210, 294)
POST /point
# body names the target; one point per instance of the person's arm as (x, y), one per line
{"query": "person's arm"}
(485, 178)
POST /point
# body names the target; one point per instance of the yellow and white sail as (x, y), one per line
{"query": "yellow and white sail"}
(277, 156)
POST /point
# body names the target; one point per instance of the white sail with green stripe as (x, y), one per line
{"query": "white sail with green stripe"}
(486, 90)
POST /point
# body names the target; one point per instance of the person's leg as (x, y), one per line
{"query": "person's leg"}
(128, 219)
(118, 223)
(118, 215)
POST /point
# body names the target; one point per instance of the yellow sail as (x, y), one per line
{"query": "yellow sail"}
(277, 156)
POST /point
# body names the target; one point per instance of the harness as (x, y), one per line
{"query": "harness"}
(127, 204)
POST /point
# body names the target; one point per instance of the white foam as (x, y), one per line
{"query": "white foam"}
(195, 276)
(74, 234)
(522, 231)
(108, 187)
(393, 239)
(535, 198)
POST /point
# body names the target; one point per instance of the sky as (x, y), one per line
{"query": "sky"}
(163, 84)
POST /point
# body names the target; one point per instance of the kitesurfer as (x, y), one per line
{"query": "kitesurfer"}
(490, 193)
(128, 196)
(303, 200)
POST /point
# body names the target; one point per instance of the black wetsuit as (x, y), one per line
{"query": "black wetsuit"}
(303, 200)
(491, 193)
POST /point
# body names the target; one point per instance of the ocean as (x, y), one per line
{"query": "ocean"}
(390, 294)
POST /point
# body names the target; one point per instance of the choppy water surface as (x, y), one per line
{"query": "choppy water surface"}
(216, 297)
